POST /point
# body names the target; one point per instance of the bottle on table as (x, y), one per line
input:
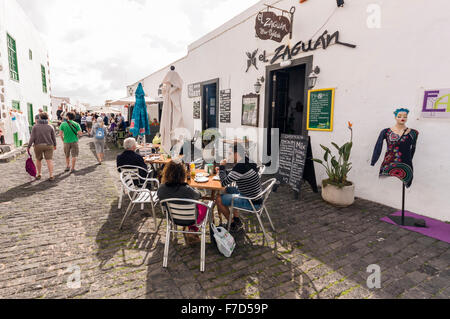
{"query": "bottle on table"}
(192, 169)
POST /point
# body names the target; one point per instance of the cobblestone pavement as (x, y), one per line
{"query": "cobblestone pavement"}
(319, 251)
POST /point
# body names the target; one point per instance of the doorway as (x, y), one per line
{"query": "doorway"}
(286, 99)
(210, 105)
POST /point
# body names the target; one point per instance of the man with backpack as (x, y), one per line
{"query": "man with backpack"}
(70, 133)
(99, 132)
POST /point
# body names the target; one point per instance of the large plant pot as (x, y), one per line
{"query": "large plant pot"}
(341, 197)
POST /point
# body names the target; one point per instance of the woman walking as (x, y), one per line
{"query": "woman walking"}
(99, 133)
(44, 140)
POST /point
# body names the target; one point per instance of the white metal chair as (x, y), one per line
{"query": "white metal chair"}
(262, 170)
(133, 169)
(138, 196)
(267, 190)
(184, 213)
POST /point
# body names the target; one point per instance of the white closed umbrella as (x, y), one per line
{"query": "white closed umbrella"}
(172, 115)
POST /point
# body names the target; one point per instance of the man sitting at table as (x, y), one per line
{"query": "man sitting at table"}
(246, 177)
(130, 158)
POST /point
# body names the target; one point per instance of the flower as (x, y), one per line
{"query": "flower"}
(350, 125)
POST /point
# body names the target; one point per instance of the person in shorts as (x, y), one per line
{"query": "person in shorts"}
(70, 133)
(89, 121)
(99, 132)
(246, 177)
(44, 140)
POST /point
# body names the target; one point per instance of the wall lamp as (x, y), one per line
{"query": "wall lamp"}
(312, 79)
(258, 85)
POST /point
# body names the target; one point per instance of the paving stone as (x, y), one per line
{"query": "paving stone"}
(321, 251)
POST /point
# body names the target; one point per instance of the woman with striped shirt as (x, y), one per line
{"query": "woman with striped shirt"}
(246, 177)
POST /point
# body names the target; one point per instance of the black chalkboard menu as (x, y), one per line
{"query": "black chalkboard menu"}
(197, 110)
(293, 156)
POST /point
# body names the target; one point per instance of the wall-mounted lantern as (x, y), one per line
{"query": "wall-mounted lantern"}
(258, 85)
(312, 79)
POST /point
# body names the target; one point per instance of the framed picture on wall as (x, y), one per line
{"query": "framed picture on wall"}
(250, 110)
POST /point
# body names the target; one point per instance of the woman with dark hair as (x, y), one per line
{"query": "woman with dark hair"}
(174, 186)
(174, 183)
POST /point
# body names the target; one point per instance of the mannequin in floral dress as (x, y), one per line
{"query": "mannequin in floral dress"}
(401, 147)
(401, 143)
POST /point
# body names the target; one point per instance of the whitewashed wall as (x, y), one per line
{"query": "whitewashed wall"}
(391, 67)
(14, 21)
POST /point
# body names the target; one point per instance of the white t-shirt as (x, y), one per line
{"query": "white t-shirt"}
(89, 119)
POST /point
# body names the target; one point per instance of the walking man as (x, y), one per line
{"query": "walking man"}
(70, 133)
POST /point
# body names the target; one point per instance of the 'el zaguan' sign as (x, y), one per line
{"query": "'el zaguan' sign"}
(270, 26)
(285, 52)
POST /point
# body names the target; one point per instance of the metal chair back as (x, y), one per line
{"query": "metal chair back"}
(182, 212)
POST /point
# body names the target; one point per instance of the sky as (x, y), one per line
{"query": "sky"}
(97, 47)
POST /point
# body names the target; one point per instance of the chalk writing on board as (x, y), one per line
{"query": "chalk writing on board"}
(293, 153)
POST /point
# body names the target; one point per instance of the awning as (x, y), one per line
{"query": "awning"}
(132, 100)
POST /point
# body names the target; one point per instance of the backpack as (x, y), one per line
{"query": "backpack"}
(100, 135)
(225, 242)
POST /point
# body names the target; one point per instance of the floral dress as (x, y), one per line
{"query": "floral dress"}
(399, 155)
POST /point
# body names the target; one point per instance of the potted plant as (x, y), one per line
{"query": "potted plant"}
(337, 189)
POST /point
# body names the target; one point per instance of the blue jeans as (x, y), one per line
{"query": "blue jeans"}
(239, 202)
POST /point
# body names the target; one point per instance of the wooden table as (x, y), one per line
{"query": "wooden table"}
(214, 186)
(159, 161)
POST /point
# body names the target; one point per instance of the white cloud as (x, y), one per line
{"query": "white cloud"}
(97, 47)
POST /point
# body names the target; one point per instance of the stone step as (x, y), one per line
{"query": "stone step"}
(12, 155)
(5, 149)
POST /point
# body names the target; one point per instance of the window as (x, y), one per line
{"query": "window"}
(44, 79)
(45, 109)
(30, 54)
(16, 105)
(30, 115)
(12, 59)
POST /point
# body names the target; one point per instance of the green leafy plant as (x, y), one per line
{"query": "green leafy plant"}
(337, 167)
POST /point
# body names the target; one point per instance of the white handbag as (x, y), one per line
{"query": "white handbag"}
(225, 242)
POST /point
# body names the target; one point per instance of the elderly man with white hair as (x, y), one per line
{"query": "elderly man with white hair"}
(130, 158)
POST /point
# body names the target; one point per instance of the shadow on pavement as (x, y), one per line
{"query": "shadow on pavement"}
(111, 240)
(31, 188)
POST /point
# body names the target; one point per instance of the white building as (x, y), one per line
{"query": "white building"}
(400, 52)
(24, 69)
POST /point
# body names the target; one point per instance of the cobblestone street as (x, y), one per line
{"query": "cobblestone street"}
(318, 251)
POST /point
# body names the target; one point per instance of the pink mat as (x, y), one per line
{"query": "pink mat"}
(435, 228)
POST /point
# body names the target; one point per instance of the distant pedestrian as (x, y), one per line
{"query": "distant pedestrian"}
(58, 113)
(38, 116)
(44, 140)
(99, 132)
(89, 121)
(70, 133)
(105, 120)
(83, 122)
(2, 137)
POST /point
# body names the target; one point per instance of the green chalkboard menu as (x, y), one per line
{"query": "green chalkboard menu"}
(321, 110)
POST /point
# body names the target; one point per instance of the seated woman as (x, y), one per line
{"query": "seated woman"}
(174, 186)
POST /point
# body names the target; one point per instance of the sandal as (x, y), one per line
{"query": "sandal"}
(51, 179)
(38, 178)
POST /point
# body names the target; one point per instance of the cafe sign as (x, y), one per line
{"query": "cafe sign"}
(270, 26)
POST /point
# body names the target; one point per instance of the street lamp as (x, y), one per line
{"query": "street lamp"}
(258, 85)
(312, 79)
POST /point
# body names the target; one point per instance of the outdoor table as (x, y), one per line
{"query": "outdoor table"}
(214, 186)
